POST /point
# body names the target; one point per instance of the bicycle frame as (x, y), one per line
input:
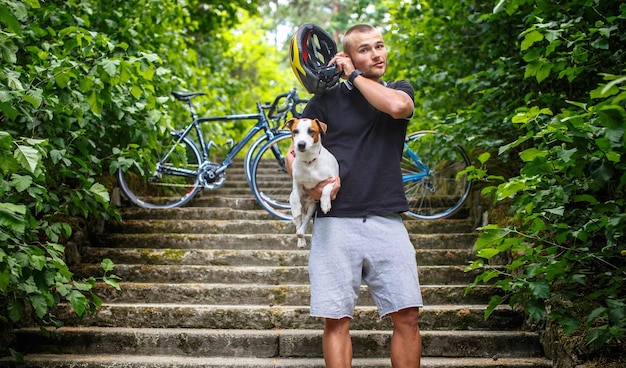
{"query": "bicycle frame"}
(425, 170)
(262, 124)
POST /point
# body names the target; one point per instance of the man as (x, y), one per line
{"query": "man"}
(363, 236)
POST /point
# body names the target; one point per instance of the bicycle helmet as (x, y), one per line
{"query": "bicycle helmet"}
(310, 50)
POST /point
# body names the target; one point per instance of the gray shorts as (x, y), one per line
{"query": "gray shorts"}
(377, 250)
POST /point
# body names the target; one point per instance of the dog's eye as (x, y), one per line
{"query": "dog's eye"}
(295, 131)
(311, 132)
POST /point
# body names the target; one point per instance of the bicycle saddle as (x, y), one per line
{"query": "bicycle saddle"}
(186, 95)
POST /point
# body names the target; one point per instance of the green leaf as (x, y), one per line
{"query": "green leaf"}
(112, 282)
(96, 300)
(100, 192)
(600, 43)
(5, 278)
(79, 302)
(494, 302)
(487, 253)
(34, 97)
(613, 83)
(94, 103)
(510, 189)
(63, 289)
(38, 262)
(110, 66)
(536, 309)
(136, 91)
(12, 216)
(62, 78)
(483, 157)
(82, 286)
(32, 3)
(540, 288)
(28, 157)
(489, 236)
(499, 6)
(532, 153)
(39, 304)
(107, 265)
(16, 310)
(8, 110)
(595, 314)
(12, 23)
(543, 72)
(21, 182)
(569, 324)
(586, 198)
(557, 211)
(532, 68)
(530, 38)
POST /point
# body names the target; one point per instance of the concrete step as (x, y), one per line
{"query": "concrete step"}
(429, 275)
(244, 257)
(295, 294)
(293, 343)
(254, 241)
(240, 209)
(264, 317)
(185, 225)
(168, 361)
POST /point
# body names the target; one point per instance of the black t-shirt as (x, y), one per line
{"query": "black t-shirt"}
(368, 145)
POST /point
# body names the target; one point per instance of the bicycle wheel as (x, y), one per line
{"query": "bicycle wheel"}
(430, 164)
(254, 149)
(270, 182)
(156, 182)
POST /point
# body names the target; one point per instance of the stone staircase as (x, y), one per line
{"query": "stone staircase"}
(222, 284)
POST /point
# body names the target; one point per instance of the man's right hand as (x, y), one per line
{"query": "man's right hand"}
(316, 192)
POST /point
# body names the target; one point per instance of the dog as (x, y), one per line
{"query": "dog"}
(313, 163)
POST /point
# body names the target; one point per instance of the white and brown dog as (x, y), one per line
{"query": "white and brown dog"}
(312, 165)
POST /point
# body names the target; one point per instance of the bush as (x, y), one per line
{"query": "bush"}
(535, 90)
(78, 82)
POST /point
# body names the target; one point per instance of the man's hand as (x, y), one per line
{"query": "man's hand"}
(316, 192)
(289, 159)
(344, 64)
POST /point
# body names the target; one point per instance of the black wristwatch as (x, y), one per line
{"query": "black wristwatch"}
(353, 75)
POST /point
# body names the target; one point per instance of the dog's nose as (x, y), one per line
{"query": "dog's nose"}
(301, 145)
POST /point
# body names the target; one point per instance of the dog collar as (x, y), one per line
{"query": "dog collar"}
(313, 160)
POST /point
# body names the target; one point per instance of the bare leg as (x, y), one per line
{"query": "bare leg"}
(336, 343)
(406, 342)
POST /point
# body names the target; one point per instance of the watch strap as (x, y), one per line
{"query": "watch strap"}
(353, 75)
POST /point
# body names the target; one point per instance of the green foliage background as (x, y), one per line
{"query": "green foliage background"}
(79, 80)
(534, 89)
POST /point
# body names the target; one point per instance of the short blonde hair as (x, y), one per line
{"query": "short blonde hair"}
(359, 28)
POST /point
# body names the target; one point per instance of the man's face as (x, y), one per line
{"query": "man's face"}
(368, 53)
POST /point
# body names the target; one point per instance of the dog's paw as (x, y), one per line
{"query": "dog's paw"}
(325, 205)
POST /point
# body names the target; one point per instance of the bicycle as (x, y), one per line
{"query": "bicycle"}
(430, 165)
(179, 167)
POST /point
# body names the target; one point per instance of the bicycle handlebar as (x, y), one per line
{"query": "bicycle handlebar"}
(292, 100)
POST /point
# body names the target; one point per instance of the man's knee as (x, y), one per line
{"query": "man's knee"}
(406, 317)
(341, 325)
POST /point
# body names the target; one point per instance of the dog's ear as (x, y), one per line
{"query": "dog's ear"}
(289, 123)
(322, 125)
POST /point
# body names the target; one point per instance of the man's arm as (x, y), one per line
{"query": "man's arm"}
(396, 103)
